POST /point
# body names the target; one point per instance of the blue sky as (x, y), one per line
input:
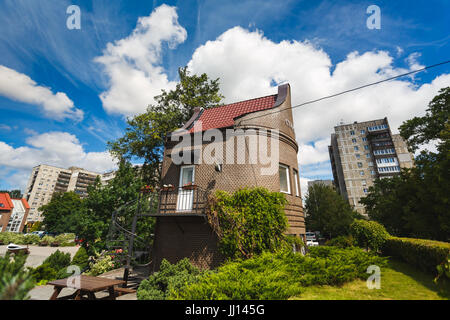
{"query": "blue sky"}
(63, 97)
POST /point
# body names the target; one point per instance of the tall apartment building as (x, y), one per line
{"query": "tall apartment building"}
(363, 151)
(46, 180)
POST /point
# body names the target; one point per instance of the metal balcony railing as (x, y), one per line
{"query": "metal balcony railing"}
(187, 200)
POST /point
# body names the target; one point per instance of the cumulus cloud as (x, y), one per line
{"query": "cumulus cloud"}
(249, 64)
(20, 87)
(60, 149)
(133, 64)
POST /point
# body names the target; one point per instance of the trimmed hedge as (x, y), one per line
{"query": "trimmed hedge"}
(423, 254)
(369, 234)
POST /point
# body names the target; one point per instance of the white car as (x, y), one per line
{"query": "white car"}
(311, 243)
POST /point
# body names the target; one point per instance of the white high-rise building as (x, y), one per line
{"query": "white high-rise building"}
(46, 180)
(360, 152)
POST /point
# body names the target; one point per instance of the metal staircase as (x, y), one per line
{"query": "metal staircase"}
(123, 241)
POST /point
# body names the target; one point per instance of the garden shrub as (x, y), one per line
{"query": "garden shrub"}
(342, 242)
(58, 260)
(280, 275)
(47, 240)
(170, 277)
(65, 238)
(12, 237)
(32, 239)
(426, 255)
(369, 234)
(44, 273)
(250, 221)
(101, 265)
(15, 280)
(81, 258)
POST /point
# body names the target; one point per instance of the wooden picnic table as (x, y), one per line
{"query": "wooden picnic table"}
(88, 286)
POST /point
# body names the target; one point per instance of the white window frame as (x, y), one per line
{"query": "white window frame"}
(181, 174)
(296, 182)
(286, 168)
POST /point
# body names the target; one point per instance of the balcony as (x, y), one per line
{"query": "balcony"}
(182, 201)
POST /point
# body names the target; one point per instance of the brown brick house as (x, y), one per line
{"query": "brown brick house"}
(217, 161)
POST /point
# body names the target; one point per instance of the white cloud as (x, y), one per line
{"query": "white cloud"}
(20, 87)
(304, 186)
(247, 64)
(314, 152)
(60, 149)
(133, 64)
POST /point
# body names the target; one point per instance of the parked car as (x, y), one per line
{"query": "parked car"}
(311, 243)
(39, 233)
(311, 240)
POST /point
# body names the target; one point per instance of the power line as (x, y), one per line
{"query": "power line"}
(350, 90)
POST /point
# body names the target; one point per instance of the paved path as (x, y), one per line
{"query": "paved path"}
(39, 254)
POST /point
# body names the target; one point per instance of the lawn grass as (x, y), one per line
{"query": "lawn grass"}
(399, 281)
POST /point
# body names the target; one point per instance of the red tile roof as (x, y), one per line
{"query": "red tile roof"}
(5, 202)
(25, 203)
(223, 116)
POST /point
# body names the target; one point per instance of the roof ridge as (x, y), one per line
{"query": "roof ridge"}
(228, 104)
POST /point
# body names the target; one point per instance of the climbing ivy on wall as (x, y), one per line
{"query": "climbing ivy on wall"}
(249, 222)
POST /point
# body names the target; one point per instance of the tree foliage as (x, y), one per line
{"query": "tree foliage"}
(15, 280)
(62, 212)
(328, 212)
(15, 194)
(90, 218)
(416, 202)
(432, 126)
(93, 223)
(145, 134)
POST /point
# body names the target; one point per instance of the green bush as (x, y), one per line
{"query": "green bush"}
(81, 258)
(47, 240)
(102, 265)
(15, 280)
(32, 239)
(58, 260)
(65, 238)
(369, 234)
(170, 277)
(250, 221)
(342, 242)
(280, 275)
(12, 237)
(426, 255)
(44, 273)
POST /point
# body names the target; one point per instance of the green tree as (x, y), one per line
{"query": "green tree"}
(93, 223)
(15, 280)
(145, 134)
(61, 213)
(415, 203)
(432, 126)
(328, 212)
(15, 194)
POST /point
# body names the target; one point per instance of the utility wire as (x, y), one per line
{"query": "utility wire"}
(350, 90)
